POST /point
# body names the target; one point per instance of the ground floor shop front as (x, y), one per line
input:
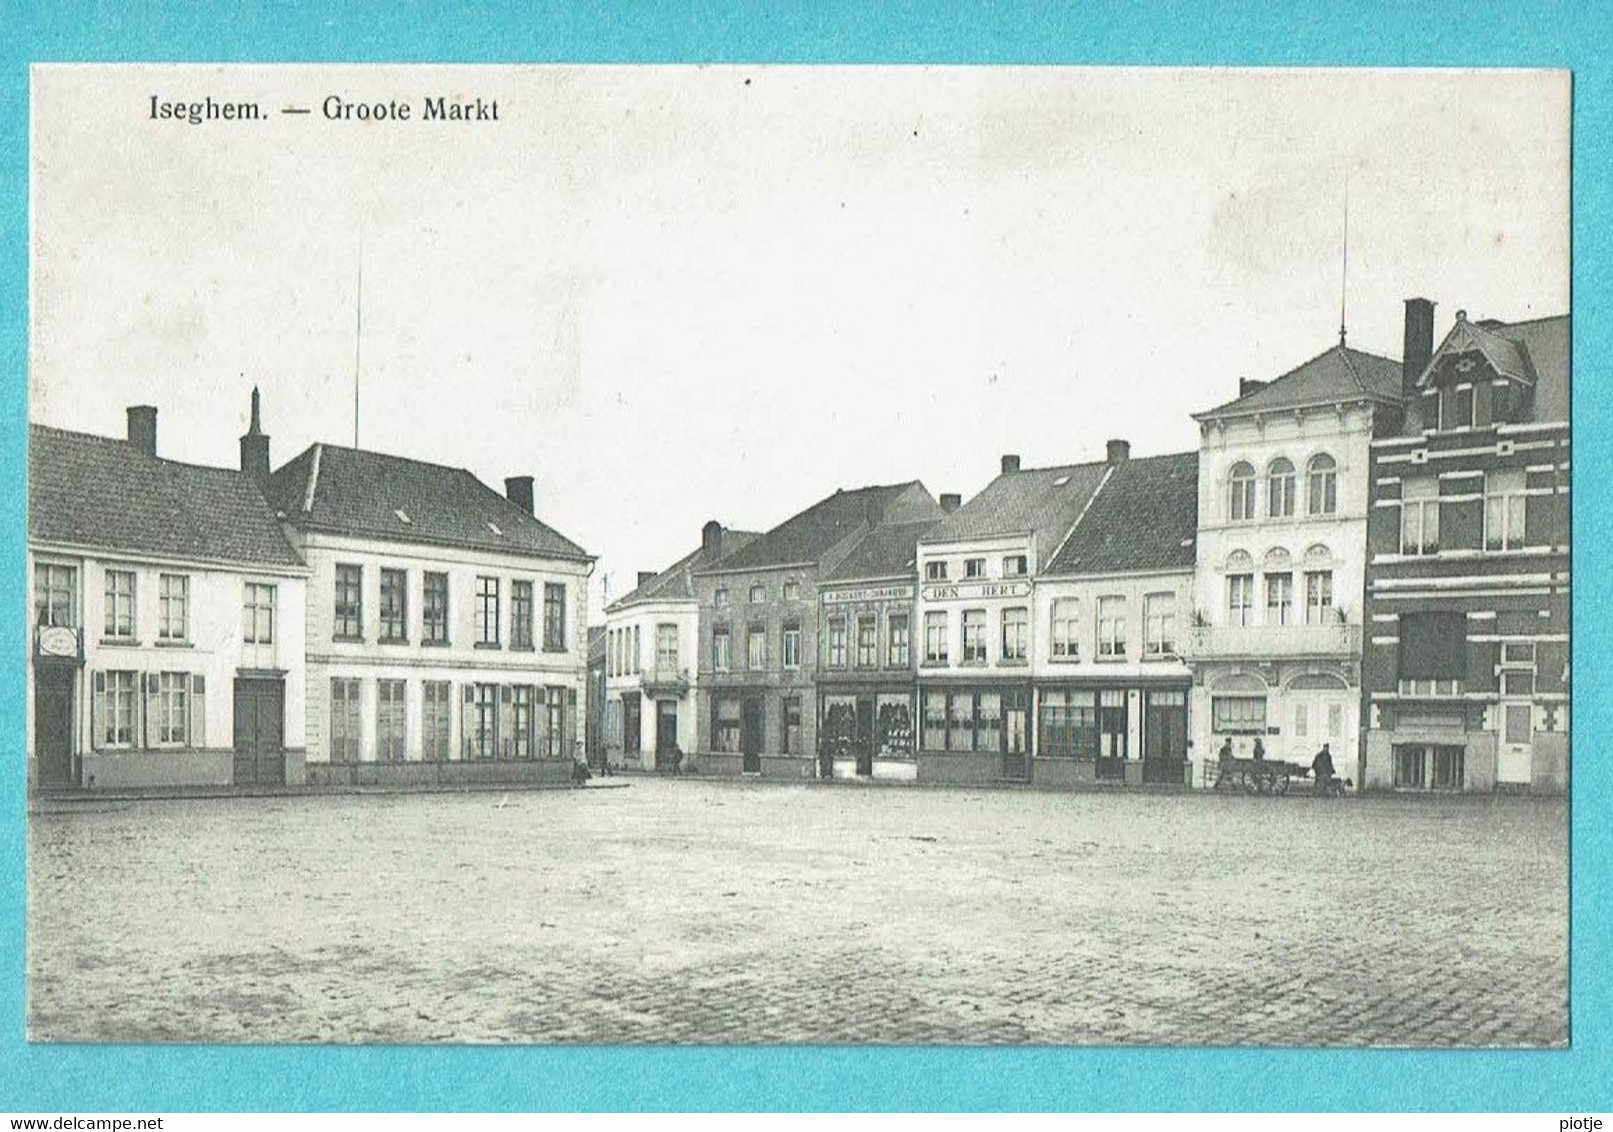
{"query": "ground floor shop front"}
(1291, 709)
(769, 730)
(867, 732)
(649, 730)
(1458, 744)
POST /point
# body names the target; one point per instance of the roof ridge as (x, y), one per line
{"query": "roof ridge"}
(1349, 365)
(124, 442)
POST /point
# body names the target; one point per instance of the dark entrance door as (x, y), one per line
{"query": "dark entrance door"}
(53, 724)
(750, 735)
(260, 713)
(1016, 735)
(632, 728)
(865, 738)
(666, 732)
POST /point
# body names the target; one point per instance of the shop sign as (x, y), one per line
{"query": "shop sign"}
(58, 640)
(868, 593)
(976, 591)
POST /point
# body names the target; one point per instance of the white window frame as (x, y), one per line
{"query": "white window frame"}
(120, 606)
(1512, 504)
(1066, 629)
(1111, 625)
(1159, 624)
(258, 612)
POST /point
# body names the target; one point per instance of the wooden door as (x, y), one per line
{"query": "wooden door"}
(53, 725)
(260, 757)
(750, 735)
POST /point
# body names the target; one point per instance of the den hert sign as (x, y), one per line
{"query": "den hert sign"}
(976, 591)
(868, 593)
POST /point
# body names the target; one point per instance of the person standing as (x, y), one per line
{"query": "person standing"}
(1322, 769)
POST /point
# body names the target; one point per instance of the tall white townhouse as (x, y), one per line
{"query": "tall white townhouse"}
(447, 632)
(1275, 641)
(167, 639)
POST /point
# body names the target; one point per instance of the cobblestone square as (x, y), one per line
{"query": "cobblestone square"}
(705, 912)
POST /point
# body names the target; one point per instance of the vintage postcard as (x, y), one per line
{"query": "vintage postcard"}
(825, 555)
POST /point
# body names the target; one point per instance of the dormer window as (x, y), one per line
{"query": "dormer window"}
(403, 516)
(492, 526)
(1456, 406)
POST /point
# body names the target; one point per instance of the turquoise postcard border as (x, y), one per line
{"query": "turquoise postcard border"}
(58, 1079)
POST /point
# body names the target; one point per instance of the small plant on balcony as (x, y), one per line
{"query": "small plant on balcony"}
(1342, 614)
(1201, 619)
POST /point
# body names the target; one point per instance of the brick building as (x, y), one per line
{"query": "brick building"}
(1466, 673)
(758, 624)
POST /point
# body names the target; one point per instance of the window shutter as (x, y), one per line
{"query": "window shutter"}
(198, 711)
(506, 722)
(467, 723)
(148, 682)
(98, 710)
(540, 721)
(568, 724)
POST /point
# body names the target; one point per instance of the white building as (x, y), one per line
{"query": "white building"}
(1275, 644)
(1111, 611)
(651, 676)
(447, 625)
(168, 620)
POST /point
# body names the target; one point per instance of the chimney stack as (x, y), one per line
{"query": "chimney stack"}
(255, 446)
(143, 428)
(1010, 464)
(519, 491)
(951, 501)
(1118, 451)
(711, 536)
(1247, 385)
(645, 575)
(1418, 347)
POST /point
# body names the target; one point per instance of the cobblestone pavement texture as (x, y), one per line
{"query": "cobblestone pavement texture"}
(739, 913)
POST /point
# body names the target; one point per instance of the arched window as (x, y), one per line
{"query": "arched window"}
(1280, 488)
(1322, 485)
(1242, 484)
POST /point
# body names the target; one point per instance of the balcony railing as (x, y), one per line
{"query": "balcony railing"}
(1271, 642)
(669, 678)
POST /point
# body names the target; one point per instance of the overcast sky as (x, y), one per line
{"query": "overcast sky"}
(678, 294)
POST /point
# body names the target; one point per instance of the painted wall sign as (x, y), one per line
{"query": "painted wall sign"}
(868, 593)
(976, 591)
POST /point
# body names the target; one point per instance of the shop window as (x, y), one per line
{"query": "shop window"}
(1423, 767)
(1165, 725)
(893, 720)
(791, 712)
(1238, 715)
(935, 721)
(1069, 724)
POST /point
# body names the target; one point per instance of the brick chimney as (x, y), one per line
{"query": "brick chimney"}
(711, 536)
(645, 575)
(1118, 452)
(951, 501)
(255, 446)
(143, 428)
(519, 491)
(1247, 385)
(1010, 464)
(1418, 346)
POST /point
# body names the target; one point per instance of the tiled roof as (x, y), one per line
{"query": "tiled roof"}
(1041, 501)
(95, 491)
(1336, 372)
(596, 645)
(815, 532)
(1545, 344)
(887, 551)
(351, 491)
(676, 582)
(1145, 517)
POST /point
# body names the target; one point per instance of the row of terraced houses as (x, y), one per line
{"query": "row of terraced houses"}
(1360, 552)
(1365, 553)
